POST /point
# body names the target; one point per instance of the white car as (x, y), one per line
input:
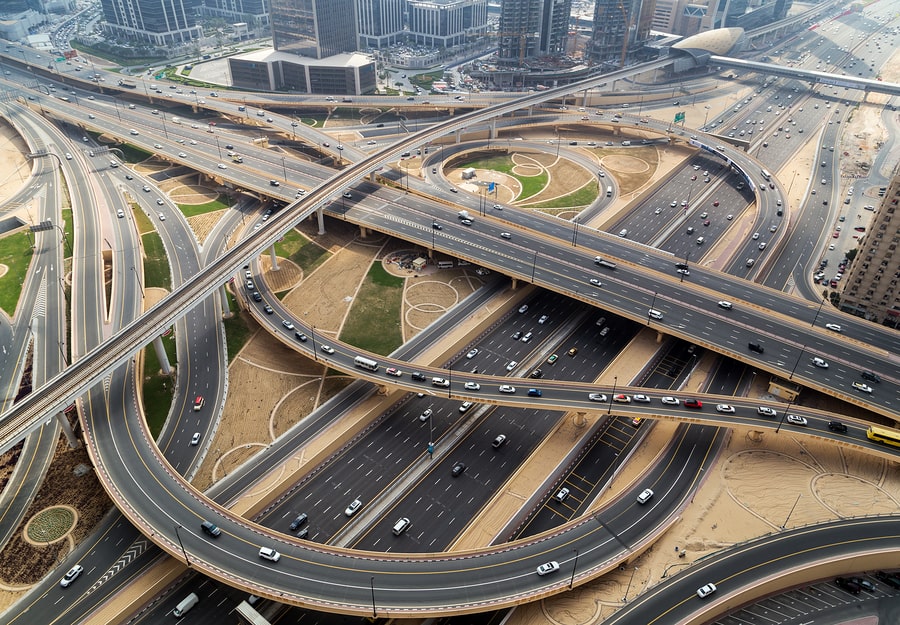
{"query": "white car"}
(426, 415)
(472, 353)
(71, 576)
(706, 590)
(393, 371)
(512, 365)
(596, 282)
(355, 505)
(671, 401)
(195, 439)
(548, 567)
(725, 305)
(472, 386)
(645, 496)
(865, 388)
(820, 363)
(598, 397)
(796, 420)
(643, 399)
(834, 327)
(621, 398)
(267, 553)
(755, 236)
(182, 155)
(766, 411)
(222, 166)
(464, 407)
(328, 349)
(725, 408)
(506, 388)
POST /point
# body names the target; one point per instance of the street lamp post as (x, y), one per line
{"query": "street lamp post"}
(284, 170)
(613, 394)
(817, 313)
(783, 525)
(652, 304)
(533, 267)
(186, 560)
(575, 232)
(686, 257)
(633, 571)
(165, 132)
(781, 422)
(574, 567)
(218, 147)
(138, 279)
(372, 586)
(312, 332)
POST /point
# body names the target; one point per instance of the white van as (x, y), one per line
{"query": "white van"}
(626, 143)
(700, 240)
(185, 605)
(654, 314)
(401, 526)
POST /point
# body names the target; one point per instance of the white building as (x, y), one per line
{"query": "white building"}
(446, 23)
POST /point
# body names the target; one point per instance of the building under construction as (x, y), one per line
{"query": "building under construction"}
(532, 28)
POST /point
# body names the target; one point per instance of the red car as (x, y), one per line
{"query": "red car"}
(693, 403)
(716, 203)
(835, 235)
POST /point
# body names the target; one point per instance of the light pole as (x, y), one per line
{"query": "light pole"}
(186, 560)
(574, 566)
(652, 304)
(633, 571)
(613, 394)
(218, 147)
(781, 422)
(575, 232)
(312, 332)
(533, 267)
(706, 118)
(372, 585)
(817, 313)
(796, 364)
(138, 279)
(284, 170)
(165, 132)
(686, 257)
(783, 525)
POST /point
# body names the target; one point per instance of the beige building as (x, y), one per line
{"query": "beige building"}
(871, 284)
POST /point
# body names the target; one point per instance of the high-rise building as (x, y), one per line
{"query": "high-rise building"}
(157, 22)
(533, 28)
(253, 12)
(314, 28)
(446, 23)
(621, 28)
(871, 284)
(380, 22)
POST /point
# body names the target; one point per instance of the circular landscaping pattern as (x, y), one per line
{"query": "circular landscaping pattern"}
(625, 164)
(50, 525)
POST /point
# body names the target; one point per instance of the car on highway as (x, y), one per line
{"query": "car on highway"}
(499, 441)
(704, 591)
(725, 305)
(458, 469)
(267, 553)
(354, 506)
(523, 308)
(394, 372)
(426, 414)
(300, 336)
(621, 398)
(645, 496)
(670, 401)
(553, 358)
(595, 282)
(269, 310)
(572, 351)
(472, 386)
(256, 296)
(837, 426)
(298, 521)
(643, 399)
(598, 397)
(508, 389)
(287, 324)
(464, 407)
(766, 411)
(71, 575)
(472, 353)
(819, 362)
(543, 319)
(693, 403)
(222, 166)
(517, 335)
(684, 272)
(834, 327)
(865, 388)
(505, 235)
(796, 419)
(548, 567)
(512, 364)
(195, 439)
(755, 236)
(440, 382)
(198, 403)
(328, 349)
(725, 408)
(526, 337)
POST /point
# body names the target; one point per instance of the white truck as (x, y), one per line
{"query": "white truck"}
(463, 215)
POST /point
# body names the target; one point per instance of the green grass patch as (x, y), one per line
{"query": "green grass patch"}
(425, 80)
(133, 154)
(158, 389)
(374, 320)
(581, 197)
(15, 253)
(192, 210)
(69, 230)
(238, 329)
(312, 122)
(300, 250)
(156, 265)
(531, 185)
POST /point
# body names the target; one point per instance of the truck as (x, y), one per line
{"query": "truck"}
(237, 158)
(463, 215)
(127, 84)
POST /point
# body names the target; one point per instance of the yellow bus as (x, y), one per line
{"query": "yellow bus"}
(884, 435)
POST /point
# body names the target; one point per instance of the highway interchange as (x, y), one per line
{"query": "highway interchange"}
(523, 270)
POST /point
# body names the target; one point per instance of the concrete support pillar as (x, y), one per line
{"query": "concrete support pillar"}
(274, 258)
(320, 215)
(584, 98)
(161, 356)
(74, 443)
(492, 133)
(226, 311)
(659, 337)
(514, 284)
(530, 110)
(457, 136)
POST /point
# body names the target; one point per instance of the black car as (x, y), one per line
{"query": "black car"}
(863, 583)
(837, 426)
(457, 469)
(300, 520)
(537, 373)
(436, 225)
(888, 578)
(848, 585)
(417, 377)
(268, 309)
(300, 336)
(256, 296)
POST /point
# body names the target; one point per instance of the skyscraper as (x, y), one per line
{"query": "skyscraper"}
(157, 22)
(620, 28)
(532, 28)
(872, 284)
(314, 28)
(380, 22)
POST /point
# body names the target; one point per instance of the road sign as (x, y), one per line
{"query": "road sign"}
(679, 116)
(60, 59)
